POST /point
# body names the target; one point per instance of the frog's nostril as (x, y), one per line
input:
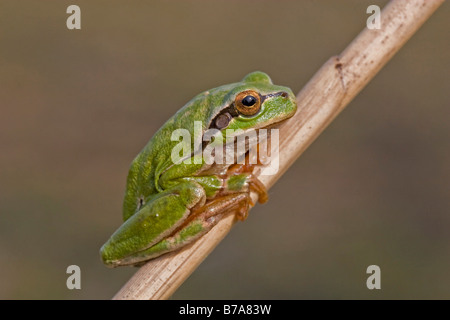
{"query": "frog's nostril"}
(284, 94)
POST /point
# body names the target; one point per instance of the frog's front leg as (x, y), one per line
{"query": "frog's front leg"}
(238, 178)
(246, 182)
(216, 186)
(156, 220)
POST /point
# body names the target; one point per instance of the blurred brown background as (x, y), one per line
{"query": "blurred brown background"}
(77, 106)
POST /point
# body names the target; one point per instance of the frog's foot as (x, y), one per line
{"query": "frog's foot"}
(246, 182)
(257, 186)
(245, 172)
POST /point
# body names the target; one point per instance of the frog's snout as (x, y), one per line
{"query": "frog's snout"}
(290, 95)
(105, 255)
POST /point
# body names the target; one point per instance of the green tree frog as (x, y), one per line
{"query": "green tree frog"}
(168, 205)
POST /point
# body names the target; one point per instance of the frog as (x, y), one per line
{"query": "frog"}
(169, 205)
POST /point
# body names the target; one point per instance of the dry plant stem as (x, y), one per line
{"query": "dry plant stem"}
(338, 81)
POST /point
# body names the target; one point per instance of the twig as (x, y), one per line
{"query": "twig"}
(338, 81)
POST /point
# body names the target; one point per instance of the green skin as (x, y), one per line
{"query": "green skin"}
(160, 195)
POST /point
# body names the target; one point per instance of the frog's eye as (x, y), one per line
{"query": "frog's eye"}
(248, 102)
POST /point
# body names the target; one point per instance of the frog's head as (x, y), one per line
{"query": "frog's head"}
(253, 103)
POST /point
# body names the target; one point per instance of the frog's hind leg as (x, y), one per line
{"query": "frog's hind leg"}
(201, 220)
(156, 220)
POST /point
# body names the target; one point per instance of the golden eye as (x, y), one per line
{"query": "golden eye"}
(248, 102)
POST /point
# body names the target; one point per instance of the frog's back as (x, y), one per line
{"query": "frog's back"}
(155, 157)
